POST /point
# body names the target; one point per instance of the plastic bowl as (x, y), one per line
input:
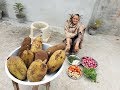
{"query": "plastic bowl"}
(76, 58)
(72, 74)
(87, 61)
(39, 25)
(47, 78)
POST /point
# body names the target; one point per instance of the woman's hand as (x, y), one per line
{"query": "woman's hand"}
(67, 48)
(68, 44)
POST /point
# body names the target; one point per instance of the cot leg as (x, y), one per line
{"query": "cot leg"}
(35, 87)
(15, 85)
(48, 86)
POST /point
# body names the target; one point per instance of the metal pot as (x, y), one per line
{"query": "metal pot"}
(43, 28)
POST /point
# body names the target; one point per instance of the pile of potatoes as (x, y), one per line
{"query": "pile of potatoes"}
(33, 63)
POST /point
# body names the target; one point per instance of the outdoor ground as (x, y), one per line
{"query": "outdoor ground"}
(104, 48)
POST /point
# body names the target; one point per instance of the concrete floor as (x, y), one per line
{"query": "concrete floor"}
(105, 49)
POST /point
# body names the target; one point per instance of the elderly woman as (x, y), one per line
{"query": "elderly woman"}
(74, 31)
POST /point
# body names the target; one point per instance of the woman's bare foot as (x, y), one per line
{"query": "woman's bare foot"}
(67, 48)
(76, 48)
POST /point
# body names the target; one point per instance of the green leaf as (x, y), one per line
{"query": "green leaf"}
(72, 58)
(90, 73)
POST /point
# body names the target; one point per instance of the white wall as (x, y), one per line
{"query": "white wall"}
(108, 11)
(55, 12)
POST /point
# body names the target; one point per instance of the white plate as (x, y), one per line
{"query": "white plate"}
(47, 78)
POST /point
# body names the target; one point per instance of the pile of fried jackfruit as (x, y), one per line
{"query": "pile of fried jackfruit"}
(33, 63)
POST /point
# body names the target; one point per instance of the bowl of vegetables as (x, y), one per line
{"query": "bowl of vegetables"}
(89, 62)
(73, 58)
(74, 72)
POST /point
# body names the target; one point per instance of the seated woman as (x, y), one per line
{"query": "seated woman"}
(74, 31)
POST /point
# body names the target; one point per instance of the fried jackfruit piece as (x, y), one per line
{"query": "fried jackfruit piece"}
(26, 45)
(36, 44)
(17, 67)
(36, 71)
(27, 57)
(42, 55)
(56, 60)
(54, 48)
